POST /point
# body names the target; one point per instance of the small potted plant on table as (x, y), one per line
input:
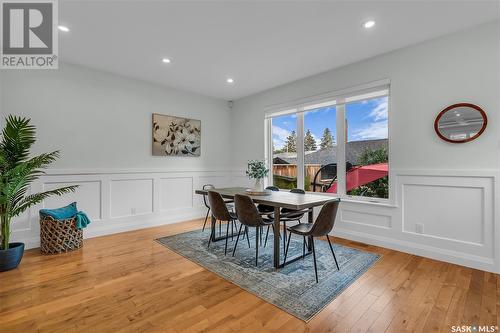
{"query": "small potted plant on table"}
(257, 170)
(17, 172)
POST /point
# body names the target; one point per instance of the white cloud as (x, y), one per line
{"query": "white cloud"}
(380, 110)
(279, 136)
(376, 130)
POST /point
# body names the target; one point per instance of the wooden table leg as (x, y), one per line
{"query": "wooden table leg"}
(276, 237)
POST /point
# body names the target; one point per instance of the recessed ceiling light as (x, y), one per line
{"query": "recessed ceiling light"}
(457, 114)
(166, 60)
(63, 28)
(369, 24)
(230, 80)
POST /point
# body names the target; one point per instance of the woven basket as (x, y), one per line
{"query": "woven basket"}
(57, 236)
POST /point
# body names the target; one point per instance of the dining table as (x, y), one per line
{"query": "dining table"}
(278, 200)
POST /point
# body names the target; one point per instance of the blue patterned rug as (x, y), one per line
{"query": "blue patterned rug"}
(293, 288)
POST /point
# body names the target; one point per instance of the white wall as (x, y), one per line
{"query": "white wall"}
(101, 123)
(449, 188)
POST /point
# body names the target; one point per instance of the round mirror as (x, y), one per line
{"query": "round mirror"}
(460, 123)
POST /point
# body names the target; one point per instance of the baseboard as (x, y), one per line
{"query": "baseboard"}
(459, 258)
(114, 226)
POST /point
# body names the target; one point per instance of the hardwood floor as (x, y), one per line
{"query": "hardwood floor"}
(129, 283)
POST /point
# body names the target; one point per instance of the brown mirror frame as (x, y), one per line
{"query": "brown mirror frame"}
(473, 106)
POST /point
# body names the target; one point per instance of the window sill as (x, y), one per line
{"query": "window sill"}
(368, 202)
(381, 203)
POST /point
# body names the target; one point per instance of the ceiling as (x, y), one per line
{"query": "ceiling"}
(260, 44)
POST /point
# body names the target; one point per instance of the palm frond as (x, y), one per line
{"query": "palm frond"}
(18, 137)
(36, 198)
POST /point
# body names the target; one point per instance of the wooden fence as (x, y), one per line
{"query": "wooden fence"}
(290, 170)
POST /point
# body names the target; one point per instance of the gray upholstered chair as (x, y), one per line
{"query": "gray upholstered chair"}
(249, 216)
(321, 227)
(220, 212)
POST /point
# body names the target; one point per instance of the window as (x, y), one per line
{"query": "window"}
(367, 153)
(320, 149)
(336, 145)
(284, 148)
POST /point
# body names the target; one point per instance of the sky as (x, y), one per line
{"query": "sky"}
(367, 120)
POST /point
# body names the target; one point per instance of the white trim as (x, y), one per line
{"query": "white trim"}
(459, 258)
(300, 151)
(341, 159)
(287, 107)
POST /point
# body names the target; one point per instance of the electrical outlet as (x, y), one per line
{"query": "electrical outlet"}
(133, 211)
(419, 228)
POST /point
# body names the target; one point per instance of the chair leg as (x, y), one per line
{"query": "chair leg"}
(237, 238)
(232, 229)
(286, 250)
(284, 235)
(331, 248)
(257, 246)
(220, 228)
(248, 238)
(314, 256)
(206, 218)
(267, 234)
(227, 236)
(304, 247)
(212, 236)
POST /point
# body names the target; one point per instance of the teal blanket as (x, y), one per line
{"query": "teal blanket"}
(82, 220)
(68, 212)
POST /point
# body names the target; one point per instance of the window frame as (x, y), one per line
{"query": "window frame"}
(339, 99)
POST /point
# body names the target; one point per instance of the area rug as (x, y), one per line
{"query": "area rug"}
(292, 288)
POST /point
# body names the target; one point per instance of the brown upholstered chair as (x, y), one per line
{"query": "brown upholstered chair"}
(249, 216)
(288, 215)
(220, 212)
(321, 227)
(265, 209)
(205, 201)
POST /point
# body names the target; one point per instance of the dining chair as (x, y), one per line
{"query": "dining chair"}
(288, 215)
(321, 227)
(220, 212)
(249, 216)
(229, 203)
(266, 210)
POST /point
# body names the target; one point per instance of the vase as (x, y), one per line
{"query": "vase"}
(259, 185)
(10, 258)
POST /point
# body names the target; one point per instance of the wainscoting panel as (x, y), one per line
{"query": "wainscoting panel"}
(455, 213)
(87, 196)
(131, 197)
(349, 216)
(176, 193)
(445, 212)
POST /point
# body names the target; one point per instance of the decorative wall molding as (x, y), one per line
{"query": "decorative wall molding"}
(164, 197)
(123, 200)
(463, 233)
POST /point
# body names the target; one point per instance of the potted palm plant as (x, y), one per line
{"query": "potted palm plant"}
(17, 171)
